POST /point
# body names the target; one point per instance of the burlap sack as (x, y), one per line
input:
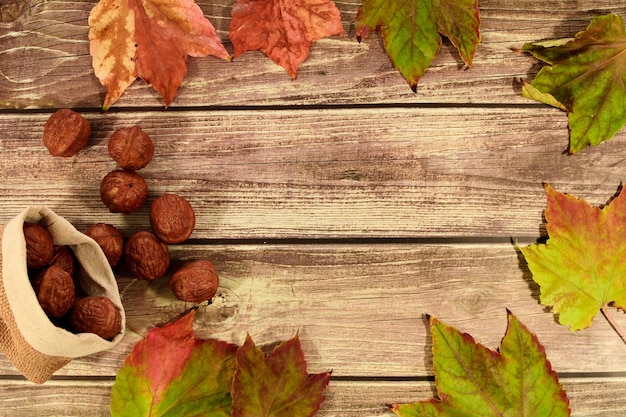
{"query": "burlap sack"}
(35, 346)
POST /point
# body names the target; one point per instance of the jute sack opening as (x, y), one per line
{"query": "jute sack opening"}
(35, 346)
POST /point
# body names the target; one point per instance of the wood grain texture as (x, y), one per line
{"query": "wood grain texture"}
(376, 205)
(360, 309)
(259, 174)
(589, 397)
(45, 62)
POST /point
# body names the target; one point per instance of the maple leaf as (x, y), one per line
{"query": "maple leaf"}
(150, 39)
(411, 30)
(473, 380)
(283, 29)
(585, 77)
(170, 373)
(581, 268)
(277, 385)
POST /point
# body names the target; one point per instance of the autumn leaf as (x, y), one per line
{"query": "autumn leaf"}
(283, 29)
(150, 39)
(170, 373)
(473, 380)
(277, 385)
(585, 76)
(412, 30)
(581, 268)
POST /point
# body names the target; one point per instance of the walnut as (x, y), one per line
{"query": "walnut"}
(131, 148)
(64, 257)
(55, 291)
(195, 282)
(172, 218)
(96, 315)
(109, 239)
(146, 256)
(123, 191)
(66, 133)
(39, 245)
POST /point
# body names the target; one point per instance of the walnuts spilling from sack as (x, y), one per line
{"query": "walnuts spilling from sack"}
(147, 255)
(172, 218)
(54, 272)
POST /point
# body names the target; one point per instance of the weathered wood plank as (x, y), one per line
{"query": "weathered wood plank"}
(45, 62)
(589, 397)
(360, 309)
(404, 172)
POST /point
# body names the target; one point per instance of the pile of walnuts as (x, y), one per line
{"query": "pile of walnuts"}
(53, 271)
(124, 190)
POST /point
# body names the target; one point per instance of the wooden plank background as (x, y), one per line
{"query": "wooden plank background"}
(340, 204)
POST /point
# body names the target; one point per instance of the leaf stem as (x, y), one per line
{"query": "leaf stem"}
(613, 323)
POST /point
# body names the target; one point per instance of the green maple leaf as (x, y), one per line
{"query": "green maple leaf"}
(586, 77)
(411, 30)
(277, 385)
(170, 373)
(581, 268)
(473, 380)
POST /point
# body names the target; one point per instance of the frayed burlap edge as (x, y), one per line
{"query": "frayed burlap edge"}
(34, 365)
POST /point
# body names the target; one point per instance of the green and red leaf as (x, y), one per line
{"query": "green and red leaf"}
(170, 373)
(581, 268)
(277, 385)
(586, 76)
(473, 380)
(411, 31)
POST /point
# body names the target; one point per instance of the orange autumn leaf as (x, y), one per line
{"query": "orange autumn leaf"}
(150, 39)
(283, 29)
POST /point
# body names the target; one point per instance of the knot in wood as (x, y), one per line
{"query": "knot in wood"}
(11, 10)
(473, 301)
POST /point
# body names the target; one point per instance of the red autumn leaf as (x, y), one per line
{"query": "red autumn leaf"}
(283, 29)
(277, 385)
(150, 39)
(163, 353)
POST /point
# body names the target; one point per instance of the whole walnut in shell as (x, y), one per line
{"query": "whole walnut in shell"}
(131, 148)
(123, 191)
(146, 256)
(96, 315)
(64, 257)
(54, 288)
(39, 245)
(66, 133)
(195, 282)
(109, 239)
(172, 218)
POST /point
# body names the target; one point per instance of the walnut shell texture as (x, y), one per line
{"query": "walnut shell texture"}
(39, 245)
(146, 256)
(109, 239)
(96, 315)
(195, 282)
(172, 218)
(64, 257)
(55, 291)
(66, 133)
(123, 191)
(131, 148)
